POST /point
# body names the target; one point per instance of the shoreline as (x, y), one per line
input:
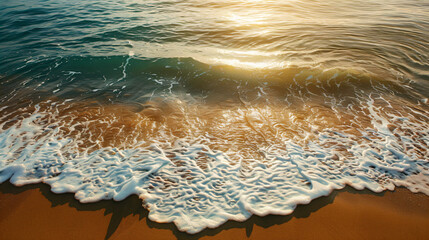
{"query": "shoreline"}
(33, 211)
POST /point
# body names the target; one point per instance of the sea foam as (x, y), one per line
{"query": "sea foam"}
(195, 184)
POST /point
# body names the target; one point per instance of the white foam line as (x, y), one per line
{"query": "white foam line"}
(195, 197)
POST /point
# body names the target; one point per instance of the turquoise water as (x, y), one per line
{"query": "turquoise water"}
(214, 110)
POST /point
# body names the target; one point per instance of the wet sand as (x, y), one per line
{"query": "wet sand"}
(33, 212)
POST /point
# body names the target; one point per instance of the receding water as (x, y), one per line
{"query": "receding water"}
(214, 110)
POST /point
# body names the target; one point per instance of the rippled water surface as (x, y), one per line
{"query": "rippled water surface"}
(214, 110)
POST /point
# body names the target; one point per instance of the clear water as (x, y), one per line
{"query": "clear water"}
(214, 110)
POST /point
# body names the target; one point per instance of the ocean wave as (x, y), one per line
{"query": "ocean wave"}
(132, 78)
(199, 164)
(214, 110)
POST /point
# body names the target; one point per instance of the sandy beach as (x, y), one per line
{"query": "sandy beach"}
(200, 113)
(33, 212)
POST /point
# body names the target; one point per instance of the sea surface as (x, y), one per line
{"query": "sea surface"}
(214, 110)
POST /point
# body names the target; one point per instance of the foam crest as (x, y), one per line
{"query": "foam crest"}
(200, 165)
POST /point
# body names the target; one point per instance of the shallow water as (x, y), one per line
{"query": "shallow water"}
(214, 110)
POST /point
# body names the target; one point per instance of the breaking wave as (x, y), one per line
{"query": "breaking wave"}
(202, 144)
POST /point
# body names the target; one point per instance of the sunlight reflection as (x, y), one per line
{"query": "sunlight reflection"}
(250, 52)
(268, 64)
(254, 59)
(249, 18)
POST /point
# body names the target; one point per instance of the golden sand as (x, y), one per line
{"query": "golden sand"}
(33, 212)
